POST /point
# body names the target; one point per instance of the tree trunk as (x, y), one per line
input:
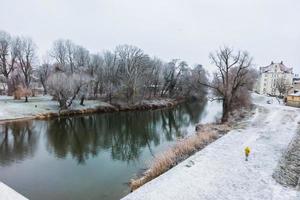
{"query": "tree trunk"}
(110, 97)
(96, 88)
(62, 104)
(45, 88)
(82, 100)
(10, 88)
(225, 111)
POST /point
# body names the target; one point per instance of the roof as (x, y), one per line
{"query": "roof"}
(281, 66)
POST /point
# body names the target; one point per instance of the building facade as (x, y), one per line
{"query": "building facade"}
(296, 84)
(273, 77)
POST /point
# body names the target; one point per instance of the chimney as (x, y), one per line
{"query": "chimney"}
(272, 62)
(281, 62)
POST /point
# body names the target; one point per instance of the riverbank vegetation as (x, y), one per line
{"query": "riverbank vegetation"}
(70, 72)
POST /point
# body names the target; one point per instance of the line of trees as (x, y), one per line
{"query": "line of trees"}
(71, 72)
(126, 73)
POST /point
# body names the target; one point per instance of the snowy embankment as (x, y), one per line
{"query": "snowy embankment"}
(40, 106)
(220, 171)
(7, 193)
(44, 107)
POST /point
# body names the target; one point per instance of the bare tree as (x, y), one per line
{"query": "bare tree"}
(199, 75)
(110, 70)
(81, 58)
(5, 68)
(231, 77)
(7, 58)
(26, 55)
(59, 53)
(152, 77)
(172, 72)
(70, 54)
(43, 73)
(188, 83)
(132, 64)
(96, 71)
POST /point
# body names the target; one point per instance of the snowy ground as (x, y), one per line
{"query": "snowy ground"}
(220, 171)
(17, 109)
(6, 193)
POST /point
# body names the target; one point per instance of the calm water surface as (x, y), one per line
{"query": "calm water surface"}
(91, 157)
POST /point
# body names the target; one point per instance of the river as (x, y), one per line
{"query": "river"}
(92, 157)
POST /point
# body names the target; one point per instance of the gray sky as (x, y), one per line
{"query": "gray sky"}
(190, 29)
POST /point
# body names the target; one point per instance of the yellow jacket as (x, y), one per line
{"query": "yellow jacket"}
(247, 151)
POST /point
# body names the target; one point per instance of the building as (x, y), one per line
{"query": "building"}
(296, 84)
(274, 79)
(293, 99)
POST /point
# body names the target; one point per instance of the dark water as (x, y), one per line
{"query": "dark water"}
(91, 157)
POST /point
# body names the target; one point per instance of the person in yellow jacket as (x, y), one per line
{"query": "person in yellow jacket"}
(247, 152)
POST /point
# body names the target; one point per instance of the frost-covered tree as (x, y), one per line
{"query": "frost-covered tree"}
(66, 87)
(132, 64)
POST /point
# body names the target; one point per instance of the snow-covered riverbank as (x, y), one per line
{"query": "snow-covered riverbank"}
(220, 171)
(43, 107)
(37, 107)
(7, 193)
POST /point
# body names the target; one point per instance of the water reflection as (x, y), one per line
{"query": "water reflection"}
(17, 141)
(124, 134)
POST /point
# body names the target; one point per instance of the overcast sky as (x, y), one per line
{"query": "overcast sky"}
(186, 29)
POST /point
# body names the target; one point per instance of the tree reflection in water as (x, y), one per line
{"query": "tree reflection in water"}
(124, 134)
(18, 140)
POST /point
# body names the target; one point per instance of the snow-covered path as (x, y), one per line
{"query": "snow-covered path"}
(220, 171)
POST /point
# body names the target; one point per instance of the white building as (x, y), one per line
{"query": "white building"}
(296, 84)
(271, 75)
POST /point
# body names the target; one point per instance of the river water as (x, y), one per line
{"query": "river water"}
(91, 157)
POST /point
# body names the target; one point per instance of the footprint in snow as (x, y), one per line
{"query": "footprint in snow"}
(190, 163)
